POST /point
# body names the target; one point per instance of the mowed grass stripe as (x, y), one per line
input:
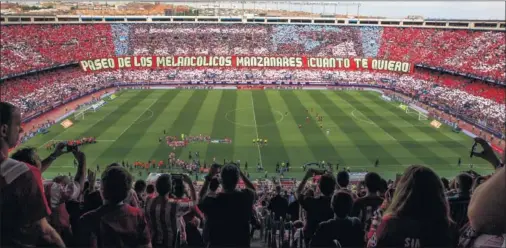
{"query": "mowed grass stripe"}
(275, 150)
(412, 131)
(183, 123)
(368, 146)
(438, 135)
(388, 142)
(130, 136)
(335, 137)
(422, 152)
(111, 123)
(246, 130)
(102, 126)
(57, 132)
(161, 150)
(223, 128)
(146, 144)
(291, 137)
(203, 125)
(319, 145)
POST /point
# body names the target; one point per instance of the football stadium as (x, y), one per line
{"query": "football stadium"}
(175, 119)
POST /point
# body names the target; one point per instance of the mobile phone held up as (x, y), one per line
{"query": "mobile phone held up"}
(473, 149)
(72, 148)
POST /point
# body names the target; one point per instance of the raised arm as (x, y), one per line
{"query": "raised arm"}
(188, 181)
(81, 167)
(247, 182)
(48, 233)
(58, 151)
(302, 184)
(488, 153)
(212, 172)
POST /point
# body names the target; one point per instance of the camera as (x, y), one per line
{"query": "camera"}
(177, 185)
(71, 148)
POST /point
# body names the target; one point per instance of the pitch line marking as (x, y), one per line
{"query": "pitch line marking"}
(137, 118)
(256, 129)
(371, 122)
(360, 119)
(248, 125)
(103, 117)
(148, 118)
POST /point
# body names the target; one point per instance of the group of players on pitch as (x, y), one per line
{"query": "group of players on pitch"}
(319, 119)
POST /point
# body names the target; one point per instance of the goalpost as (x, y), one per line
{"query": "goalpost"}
(411, 111)
(79, 115)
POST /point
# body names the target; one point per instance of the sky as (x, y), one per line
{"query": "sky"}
(485, 10)
(432, 9)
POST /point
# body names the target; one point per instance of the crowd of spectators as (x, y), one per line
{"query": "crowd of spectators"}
(418, 209)
(479, 101)
(28, 47)
(43, 90)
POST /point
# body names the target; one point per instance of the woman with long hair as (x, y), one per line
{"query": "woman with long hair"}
(418, 215)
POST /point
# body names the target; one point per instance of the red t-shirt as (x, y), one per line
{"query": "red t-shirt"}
(114, 226)
(22, 202)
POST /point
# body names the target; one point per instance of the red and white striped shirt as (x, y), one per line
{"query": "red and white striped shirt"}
(163, 214)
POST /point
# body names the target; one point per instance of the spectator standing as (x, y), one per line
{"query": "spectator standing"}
(293, 210)
(150, 192)
(460, 202)
(343, 180)
(364, 207)
(61, 190)
(278, 205)
(228, 214)
(213, 186)
(317, 208)
(114, 224)
(140, 191)
(418, 216)
(23, 204)
(346, 230)
(164, 212)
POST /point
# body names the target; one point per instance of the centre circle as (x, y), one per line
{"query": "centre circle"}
(234, 111)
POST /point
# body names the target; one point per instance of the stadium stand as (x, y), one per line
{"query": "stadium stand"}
(477, 52)
(30, 47)
(478, 101)
(229, 211)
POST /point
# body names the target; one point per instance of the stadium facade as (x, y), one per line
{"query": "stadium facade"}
(408, 23)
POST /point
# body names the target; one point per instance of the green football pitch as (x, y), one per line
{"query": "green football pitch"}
(358, 127)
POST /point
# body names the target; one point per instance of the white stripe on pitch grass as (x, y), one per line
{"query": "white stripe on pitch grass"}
(138, 117)
(91, 125)
(256, 128)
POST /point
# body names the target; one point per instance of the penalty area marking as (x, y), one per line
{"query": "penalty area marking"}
(149, 117)
(148, 108)
(255, 125)
(360, 119)
(370, 122)
(94, 123)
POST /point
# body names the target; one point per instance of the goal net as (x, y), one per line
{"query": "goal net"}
(414, 112)
(422, 116)
(79, 115)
